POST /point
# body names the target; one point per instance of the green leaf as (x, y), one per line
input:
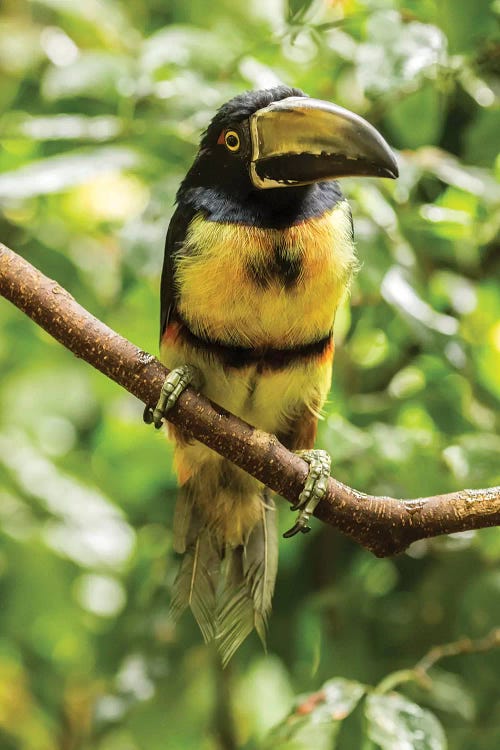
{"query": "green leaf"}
(481, 142)
(395, 723)
(298, 10)
(317, 717)
(448, 692)
(466, 23)
(403, 114)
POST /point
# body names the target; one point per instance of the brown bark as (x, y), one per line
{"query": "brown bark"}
(383, 525)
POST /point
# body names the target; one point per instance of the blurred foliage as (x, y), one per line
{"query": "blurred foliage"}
(101, 107)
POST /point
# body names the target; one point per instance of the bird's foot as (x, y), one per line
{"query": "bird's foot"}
(314, 489)
(175, 383)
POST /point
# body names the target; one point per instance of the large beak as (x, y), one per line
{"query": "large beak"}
(299, 140)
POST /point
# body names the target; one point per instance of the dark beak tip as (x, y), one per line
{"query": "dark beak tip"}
(391, 169)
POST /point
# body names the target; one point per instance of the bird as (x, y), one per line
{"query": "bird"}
(259, 255)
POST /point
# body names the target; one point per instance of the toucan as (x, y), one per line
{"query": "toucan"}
(259, 254)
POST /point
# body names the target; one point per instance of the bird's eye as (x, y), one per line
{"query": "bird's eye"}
(232, 140)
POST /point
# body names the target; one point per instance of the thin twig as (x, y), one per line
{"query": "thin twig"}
(383, 525)
(420, 672)
(462, 646)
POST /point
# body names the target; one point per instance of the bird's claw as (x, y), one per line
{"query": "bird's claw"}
(175, 383)
(314, 489)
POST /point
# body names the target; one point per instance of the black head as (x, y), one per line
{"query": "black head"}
(240, 108)
(225, 147)
(281, 138)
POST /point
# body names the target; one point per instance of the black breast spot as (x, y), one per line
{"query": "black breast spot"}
(286, 269)
(278, 268)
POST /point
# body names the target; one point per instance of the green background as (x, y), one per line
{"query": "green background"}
(101, 107)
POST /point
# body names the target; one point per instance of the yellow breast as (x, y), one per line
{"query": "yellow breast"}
(221, 297)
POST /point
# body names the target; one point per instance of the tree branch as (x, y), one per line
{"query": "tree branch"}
(420, 672)
(383, 525)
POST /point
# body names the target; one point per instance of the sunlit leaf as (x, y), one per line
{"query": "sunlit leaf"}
(70, 127)
(397, 54)
(315, 721)
(181, 46)
(398, 291)
(93, 74)
(20, 47)
(395, 723)
(61, 172)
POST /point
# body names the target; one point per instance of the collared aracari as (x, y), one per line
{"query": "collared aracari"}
(259, 254)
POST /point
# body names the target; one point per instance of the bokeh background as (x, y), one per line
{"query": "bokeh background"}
(101, 106)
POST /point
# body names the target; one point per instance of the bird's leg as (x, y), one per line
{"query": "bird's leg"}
(175, 383)
(314, 489)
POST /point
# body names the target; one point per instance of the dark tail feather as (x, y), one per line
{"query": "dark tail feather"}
(229, 589)
(246, 594)
(196, 583)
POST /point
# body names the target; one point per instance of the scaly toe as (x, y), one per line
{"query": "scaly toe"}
(175, 383)
(314, 489)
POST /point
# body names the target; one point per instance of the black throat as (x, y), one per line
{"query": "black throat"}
(275, 208)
